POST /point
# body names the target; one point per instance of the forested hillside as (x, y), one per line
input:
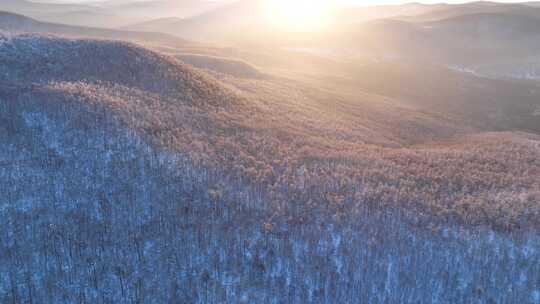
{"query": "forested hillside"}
(131, 177)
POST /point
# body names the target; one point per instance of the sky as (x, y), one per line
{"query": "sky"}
(359, 2)
(363, 2)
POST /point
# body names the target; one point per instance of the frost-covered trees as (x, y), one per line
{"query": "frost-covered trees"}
(117, 192)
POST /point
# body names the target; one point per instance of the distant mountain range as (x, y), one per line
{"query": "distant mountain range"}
(192, 52)
(442, 11)
(18, 23)
(238, 20)
(107, 13)
(245, 20)
(469, 37)
(484, 37)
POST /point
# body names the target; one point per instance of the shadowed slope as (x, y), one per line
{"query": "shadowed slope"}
(489, 104)
(31, 59)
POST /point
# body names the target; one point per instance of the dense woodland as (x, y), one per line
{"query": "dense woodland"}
(130, 177)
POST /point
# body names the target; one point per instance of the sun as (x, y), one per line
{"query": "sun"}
(299, 15)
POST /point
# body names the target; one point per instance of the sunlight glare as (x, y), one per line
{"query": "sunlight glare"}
(299, 15)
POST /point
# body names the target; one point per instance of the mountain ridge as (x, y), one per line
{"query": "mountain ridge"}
(20, 23)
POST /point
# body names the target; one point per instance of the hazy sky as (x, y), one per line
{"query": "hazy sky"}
(408, 1)
(345, 1)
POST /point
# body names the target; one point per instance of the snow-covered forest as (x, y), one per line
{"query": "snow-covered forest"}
(94, 218)
(130, 177)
